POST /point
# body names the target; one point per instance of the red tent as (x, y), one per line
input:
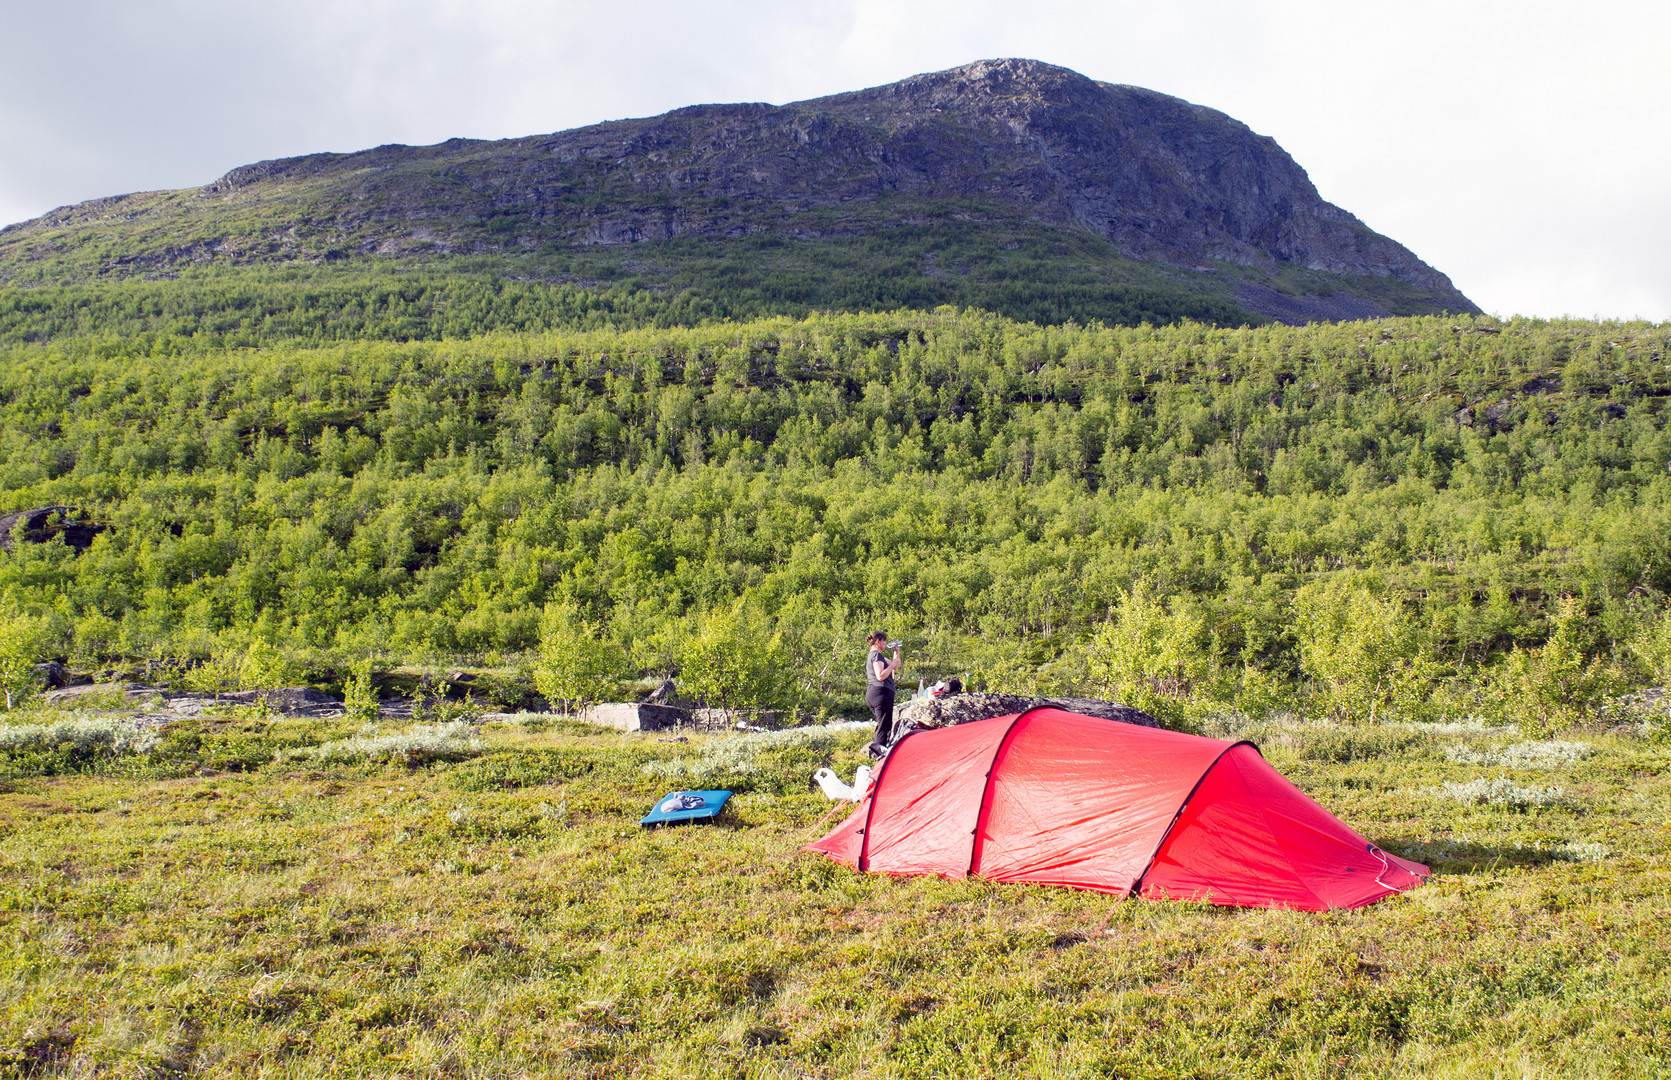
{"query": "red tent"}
(1055, 798)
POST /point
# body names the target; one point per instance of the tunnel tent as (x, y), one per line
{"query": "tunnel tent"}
(1055, 798)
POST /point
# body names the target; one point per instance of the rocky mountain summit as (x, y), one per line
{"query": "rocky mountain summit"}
(1161, 180)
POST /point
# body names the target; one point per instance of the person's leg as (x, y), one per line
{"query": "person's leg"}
(881, 702)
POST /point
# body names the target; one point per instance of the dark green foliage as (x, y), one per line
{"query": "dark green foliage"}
(214, 309)
(237, 745)
(1030, 274)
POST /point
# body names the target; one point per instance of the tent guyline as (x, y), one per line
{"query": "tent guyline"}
(1052, 797)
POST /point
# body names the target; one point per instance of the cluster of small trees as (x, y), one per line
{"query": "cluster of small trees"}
(1365, 656)
(728, 660)
(1378, 515)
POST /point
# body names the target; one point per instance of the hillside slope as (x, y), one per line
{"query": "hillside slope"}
(1177, 196)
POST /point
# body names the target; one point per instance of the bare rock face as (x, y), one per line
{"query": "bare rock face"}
(965, 708)
(289, 700)
(72, 696)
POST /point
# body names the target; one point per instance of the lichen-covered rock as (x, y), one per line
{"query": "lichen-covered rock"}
(964, 708)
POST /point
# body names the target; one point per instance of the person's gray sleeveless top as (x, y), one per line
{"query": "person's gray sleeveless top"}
(870, 671)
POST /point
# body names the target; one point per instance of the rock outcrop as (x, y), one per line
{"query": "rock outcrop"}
(44, 523)
(1162, 179)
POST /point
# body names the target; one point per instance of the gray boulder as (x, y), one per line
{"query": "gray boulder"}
(635, 716)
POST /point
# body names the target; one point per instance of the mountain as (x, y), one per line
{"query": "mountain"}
(1001, 174)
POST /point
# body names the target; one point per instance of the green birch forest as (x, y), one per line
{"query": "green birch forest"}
(1406, 517)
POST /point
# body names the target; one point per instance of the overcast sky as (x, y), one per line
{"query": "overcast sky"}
(1520, 147)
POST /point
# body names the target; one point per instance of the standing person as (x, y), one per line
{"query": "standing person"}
(879, 690)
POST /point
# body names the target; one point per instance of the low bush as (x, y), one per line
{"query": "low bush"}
(1583, 851)
(1499, 791)
(70, 746)
(418, 745)
(780, 762)
(1355, 742)
(1554, 754)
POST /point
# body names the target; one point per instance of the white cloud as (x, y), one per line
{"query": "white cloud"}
(1516, 146)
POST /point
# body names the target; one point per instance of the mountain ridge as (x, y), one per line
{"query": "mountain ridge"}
(1180, 189)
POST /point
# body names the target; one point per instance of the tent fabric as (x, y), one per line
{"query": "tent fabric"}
(1056, 798)
(1251, 838)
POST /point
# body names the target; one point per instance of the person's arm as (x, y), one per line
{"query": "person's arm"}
(885, 668)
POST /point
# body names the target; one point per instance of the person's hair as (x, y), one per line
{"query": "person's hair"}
(877, 635)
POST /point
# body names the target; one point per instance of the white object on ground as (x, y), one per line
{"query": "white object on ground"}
(835, 789)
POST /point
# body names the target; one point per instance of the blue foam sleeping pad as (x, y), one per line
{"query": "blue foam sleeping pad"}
(680, 806)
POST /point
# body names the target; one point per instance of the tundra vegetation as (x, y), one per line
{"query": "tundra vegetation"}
(1418, 561)
(1379, 519)
(273, 897)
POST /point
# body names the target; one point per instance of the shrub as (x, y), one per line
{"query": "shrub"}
(1472, 725)
(1258, 693)
(418, 745)
(1651, 646)
(1551, 688)
(258, 666)
(732, 663)
(1525, 755)
(1352, 743)
(1362, 652)
(1499, 791)
(1582, 851)
(18, 648)
(67, 746)
(1150, 654)
(359, 696)
(266, 667)
(780, 760)
(577, 664)
(115, 735)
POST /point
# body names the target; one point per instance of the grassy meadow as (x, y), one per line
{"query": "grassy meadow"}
(409, 481)
(249, 896)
